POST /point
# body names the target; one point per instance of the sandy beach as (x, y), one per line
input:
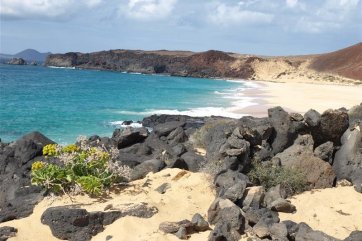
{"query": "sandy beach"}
(300, 96)
(192, 193)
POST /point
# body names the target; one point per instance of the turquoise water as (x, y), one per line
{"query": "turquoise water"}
(66, 103)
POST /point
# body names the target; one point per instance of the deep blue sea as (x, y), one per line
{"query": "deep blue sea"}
(66, 103)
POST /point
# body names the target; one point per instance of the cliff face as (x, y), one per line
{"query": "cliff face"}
(339, 65)
(206, 64)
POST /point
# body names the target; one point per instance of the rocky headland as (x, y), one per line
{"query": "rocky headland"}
(206, 178)
(341, 66)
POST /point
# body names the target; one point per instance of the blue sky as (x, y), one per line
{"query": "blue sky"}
(278, 27)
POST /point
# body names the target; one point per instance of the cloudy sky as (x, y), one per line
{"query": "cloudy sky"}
(278, 27)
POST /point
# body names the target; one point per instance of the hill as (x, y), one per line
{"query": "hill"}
(343, 66)
(28, 55)
(346, 62)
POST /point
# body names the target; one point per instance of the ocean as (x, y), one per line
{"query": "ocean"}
(65, 103)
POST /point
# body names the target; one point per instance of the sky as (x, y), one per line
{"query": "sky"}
(265, 27)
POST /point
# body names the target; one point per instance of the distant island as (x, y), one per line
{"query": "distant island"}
(28, 55)
(343, 66)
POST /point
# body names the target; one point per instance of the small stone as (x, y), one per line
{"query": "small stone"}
(181, 233)
(162, 189)
(282, 205)
(199, 223)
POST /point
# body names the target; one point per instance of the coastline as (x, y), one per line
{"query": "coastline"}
(299, 96)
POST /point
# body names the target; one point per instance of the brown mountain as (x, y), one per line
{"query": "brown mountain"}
(217, 64)
(346, 62)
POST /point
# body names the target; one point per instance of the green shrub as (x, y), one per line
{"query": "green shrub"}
(89, 168)
(293, 180)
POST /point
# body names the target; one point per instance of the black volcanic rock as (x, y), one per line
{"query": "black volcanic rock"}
(17, 196)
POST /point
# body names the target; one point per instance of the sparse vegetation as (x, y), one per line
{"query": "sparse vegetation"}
(89, 169)
(267, 175)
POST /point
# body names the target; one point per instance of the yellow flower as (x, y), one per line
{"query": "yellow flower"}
(71, 148)
(37, 165)
(50, 150)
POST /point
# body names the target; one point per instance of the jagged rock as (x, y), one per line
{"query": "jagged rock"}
(312, 118)
(318, 173)
(274, 193)
(286, 130)
(282, 205)
(146, 167)
(173, 227)
(332, 125)
(179, 149)
(296, 117)
(235, 192)
(177, 136)
(355, 115)
(250, 135)
(224, 231)
(354, 236)
(226, 179)
(181, 233)
(253, 215)
(325, 152)
(76, 224)
(262, 227)
(129, 136)
(348, 159)
(278, 231)
(261, 125)
(292, 228)
(17, 196)
(225, 211)
(253, 197)
(306, 233)
(166, 128)
(7, 232)
(199, 223)
(193, 161)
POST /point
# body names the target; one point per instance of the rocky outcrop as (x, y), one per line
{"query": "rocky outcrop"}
(17, 61)
(206, 64)
(17, 196)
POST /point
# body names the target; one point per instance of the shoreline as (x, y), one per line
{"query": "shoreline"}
(298, 96)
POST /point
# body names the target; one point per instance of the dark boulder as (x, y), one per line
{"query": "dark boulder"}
(146, 167)
(227, 179)
(300, 156)
(253, 215)
(199, 223)
(7, 232)
(17, 196)
(285, 129)
(282, 205)
(354, 236)
(228, 219)
(176, 136)
(306, 233)
(348, 159)
(75, 223)
(262, 125)
(129, 136)
(167, 127)
(253, 197)
(274, 193)
(332, 126)
(325, 152)
(312, 118)
(193, 161)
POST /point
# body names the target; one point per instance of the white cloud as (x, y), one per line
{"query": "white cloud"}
(292, 3)
(52, 9)
(148, 9)
(223, 14)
